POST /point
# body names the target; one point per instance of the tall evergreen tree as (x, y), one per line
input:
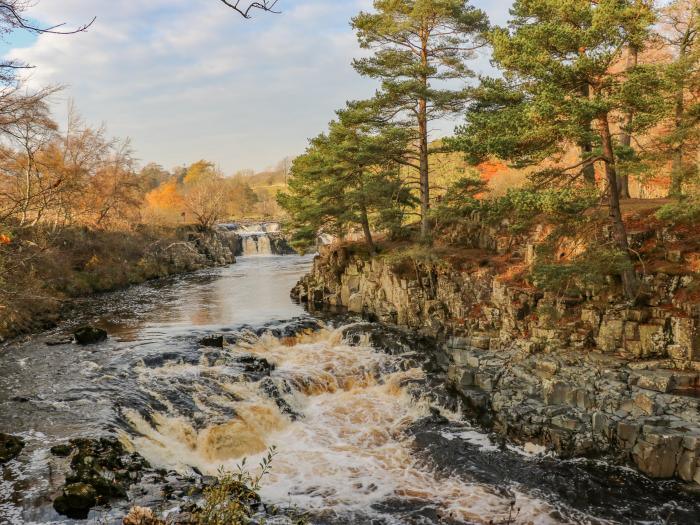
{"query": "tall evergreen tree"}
(637, 40)
(558, 59)
(680, 25)
(417, 44)
(348, 178)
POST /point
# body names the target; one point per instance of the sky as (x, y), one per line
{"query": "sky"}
(191, 79)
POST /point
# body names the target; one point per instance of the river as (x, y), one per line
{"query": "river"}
(363, 434)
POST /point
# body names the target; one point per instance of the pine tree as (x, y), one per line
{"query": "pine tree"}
(347, 178)
(680, 23)
(558, 59)
(417, 44)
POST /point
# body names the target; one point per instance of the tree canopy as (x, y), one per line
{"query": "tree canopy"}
(561, 85)
(420, 47)
(348, 177)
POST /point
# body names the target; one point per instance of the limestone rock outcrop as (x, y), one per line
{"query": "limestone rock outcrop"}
(582, 375)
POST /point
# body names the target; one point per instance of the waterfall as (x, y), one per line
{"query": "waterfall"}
(263, 238)
(256, 244)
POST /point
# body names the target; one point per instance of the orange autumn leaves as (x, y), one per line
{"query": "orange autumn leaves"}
(165, 198)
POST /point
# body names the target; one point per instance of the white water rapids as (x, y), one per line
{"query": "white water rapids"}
(349, 450)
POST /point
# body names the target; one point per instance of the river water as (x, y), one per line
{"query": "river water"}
(363, 434)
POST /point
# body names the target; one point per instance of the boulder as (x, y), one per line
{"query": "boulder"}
(610, 335)
(688, 464)
(89, 335)
(100, 470)
(62, 451)
(76, 500)
(10, 447)
(212, 341)
(645, 403)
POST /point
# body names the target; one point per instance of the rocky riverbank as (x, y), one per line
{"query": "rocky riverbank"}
(77, 263)
(585, 375)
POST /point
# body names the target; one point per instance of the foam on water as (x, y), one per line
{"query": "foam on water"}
(350, 451)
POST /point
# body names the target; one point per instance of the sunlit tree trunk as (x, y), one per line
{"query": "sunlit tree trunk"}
(629, 278)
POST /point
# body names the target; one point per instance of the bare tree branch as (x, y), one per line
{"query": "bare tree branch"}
(12, 17)
(263, 5)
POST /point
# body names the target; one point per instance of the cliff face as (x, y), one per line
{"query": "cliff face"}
(582, 375)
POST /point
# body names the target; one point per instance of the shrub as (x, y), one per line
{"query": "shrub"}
(522, 206)
(234, 497)
(589, 270)
(685, 211)
(459, 201)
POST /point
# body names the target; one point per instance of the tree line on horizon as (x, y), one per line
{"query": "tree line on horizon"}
(615, 81)
(78, 176)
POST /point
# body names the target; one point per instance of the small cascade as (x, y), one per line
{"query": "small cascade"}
(264, 238)
(256, 244)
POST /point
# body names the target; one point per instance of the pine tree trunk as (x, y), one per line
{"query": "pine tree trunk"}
(587, 148)
(364, 219)
(423, 148)
(629, 278)
(676, 189)
(623, 185)
(589, 170)
(424, 173)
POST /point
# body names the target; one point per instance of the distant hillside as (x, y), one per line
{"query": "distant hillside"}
(266, 184)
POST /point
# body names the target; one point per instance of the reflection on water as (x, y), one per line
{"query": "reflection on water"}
(253, 291)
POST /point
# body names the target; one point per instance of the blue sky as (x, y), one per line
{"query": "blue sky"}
(190, 79)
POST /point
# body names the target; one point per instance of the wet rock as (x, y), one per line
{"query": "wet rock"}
(255, 366)
(62, 451)
(76, 500)
(292, 328)
(212, 341)
(59, 341)
(10, 447)
(89, 335)
(270, 388)
(101, 470)
(436, 417)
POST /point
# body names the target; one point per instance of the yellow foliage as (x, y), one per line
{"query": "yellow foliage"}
(165, 197)
(165, 204)
(200, 171)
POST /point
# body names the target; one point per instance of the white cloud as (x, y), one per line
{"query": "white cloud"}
(187, 80)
